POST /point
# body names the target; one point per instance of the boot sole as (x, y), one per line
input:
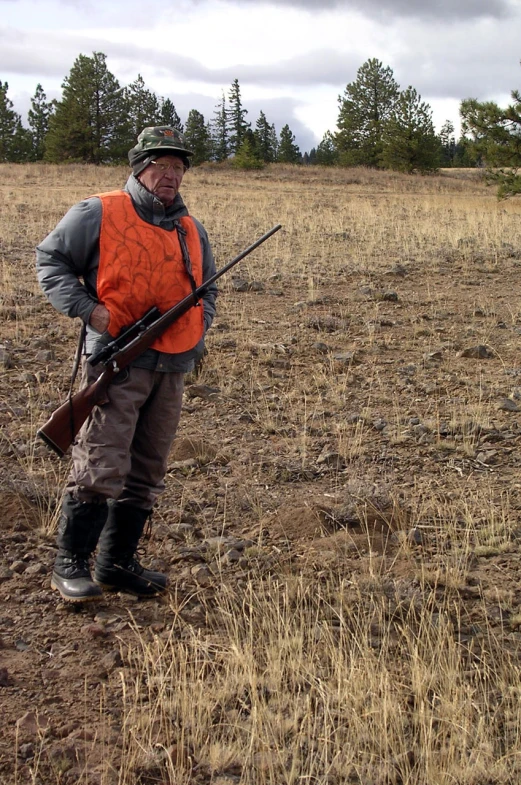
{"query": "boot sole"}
(124, 590)
(68, 598)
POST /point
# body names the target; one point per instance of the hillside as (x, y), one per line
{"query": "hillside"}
(341, 523)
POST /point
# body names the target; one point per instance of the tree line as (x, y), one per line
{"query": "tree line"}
(96, 120)
(379, 125)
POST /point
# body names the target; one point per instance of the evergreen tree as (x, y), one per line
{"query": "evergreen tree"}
(496, 139)
(10, 124)
(326, 153)
(90, 123)
(265, 139)
(168, 114)
(38, 117)
(409, 141)
(288, 152)
(237, 125)
(219, 128)
(248, 156)
(197, 137)
(143, 107)
(364, 109)
(465, 154)
(448, 143)
(22, 144)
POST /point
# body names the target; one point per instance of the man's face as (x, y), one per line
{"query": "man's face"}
(163, 177)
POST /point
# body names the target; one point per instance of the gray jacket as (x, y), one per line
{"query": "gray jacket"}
(67, 264)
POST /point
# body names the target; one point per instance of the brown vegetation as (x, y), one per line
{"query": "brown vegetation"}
(341, 522)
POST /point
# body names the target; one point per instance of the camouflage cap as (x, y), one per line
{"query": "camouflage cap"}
(156, 141)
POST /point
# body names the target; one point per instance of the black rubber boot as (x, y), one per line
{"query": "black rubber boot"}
(78, 533)
(117, 568)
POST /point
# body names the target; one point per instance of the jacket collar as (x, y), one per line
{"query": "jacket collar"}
(150, 208)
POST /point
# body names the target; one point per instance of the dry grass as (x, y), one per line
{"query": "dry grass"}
(361, 653)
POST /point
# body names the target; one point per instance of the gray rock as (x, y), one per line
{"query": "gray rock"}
(231, 557)
(479, 352)
(390, 297)
(44, 356)
(36, 568)
(508, 405)
(6, 360)
(321, 348)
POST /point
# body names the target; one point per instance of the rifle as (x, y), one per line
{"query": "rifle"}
(64, 424)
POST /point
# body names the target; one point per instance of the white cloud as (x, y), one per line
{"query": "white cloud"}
(292, 58)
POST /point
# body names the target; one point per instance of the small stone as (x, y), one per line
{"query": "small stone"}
(28, 723)
(231, 557)
(415, 536)
(44, 356)
(202, 391)
(111, 661)
(4, 677)
(187, 465)
(178, 531)
(28, 377)
(331, 458)
(508, 405)
(347, 358)
(18, 567)
(240, 285)
(26, 751)
(94, 630)
(6, 361)
(201, 573)
(36, 569)
(480, 352)
(320, 347)
(390, 297)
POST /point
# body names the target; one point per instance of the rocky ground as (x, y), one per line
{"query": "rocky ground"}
(368, 426)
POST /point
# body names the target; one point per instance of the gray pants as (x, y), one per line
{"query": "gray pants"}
(122, 450)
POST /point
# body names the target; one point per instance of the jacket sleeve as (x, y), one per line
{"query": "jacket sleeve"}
(208, 270)
(67, 260)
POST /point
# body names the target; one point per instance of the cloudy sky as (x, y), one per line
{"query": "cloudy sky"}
(293, 58)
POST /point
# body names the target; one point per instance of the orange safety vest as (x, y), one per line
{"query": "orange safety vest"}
(141, 265)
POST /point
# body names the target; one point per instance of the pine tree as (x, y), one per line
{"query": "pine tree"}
(219, 127)
(288, 152)
(448, 143)
(168, 114)
(10, 124)
(409, 141)
(265, 139)
(237, 125)
(364, 109)
(22, 144)
(248, 156)
(143, 107)
(495, 139)
(327, 153)
(90, 123)
(38, 116)
(197, 137)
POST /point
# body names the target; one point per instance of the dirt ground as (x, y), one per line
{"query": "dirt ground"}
(366, 422)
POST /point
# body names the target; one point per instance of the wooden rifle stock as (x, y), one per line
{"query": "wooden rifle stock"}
(61, 429)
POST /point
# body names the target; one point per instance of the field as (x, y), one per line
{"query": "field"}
(342, 519)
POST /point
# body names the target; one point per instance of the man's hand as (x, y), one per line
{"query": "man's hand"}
(99, 318)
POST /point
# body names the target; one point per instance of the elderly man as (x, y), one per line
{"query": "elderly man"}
(111, 258)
